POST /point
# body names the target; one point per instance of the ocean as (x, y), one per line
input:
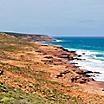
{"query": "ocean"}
(93, 49)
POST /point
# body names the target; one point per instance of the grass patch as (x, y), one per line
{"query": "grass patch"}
(8, 48)
(9, 95)
(49, 82)
(4, 56)
(55, 95)
(11, 68)
(16, 69)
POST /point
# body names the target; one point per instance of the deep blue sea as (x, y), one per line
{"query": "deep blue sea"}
(93, 47)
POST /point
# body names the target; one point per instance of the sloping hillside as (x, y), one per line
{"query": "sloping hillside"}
(32, 73)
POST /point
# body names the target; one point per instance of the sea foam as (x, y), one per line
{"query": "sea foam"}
(91, 60)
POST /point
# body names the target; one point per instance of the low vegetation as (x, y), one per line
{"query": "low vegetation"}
(26, 79)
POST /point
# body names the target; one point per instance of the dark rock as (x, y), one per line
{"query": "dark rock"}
(64, 49)
(84, 73)
(80, 72)
(79, 55)
(49, 57)
(75, 78)
(88, 72)
(87, 75)
(73, 63)
(70, 58)
(47, 61)
(60, 75)
(91, 72)
(83, 53)
(77, 59)
(63, 73)
(102, 89)
(76, 66)
(38, 51)
(92, 79)
(72, 79)
(81, 79)
(97, 72)
(72, 51)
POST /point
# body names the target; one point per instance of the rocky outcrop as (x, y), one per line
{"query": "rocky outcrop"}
(81, 79)
(63, 73)
(29, 37)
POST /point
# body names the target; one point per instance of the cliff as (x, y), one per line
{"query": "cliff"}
(29, 37)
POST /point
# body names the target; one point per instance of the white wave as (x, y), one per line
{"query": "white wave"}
(91, 62)
(87, 52)
(59, 40)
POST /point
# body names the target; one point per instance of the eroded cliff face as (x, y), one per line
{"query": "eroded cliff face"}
(29, 37)
(31, 72)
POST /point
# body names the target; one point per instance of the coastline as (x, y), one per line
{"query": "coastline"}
(45, 70)
(89, 85)
(82, 72)
(92, 57)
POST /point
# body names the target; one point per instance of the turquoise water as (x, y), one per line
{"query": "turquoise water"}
(87, 43)
(93, 47)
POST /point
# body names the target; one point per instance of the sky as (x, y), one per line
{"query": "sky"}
(53, 17)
